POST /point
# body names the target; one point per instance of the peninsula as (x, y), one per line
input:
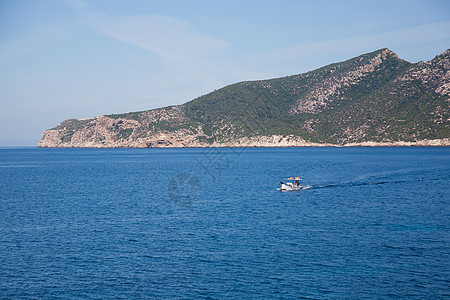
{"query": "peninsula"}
(376, 99)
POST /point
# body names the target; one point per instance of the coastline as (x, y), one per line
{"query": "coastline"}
(369, 144)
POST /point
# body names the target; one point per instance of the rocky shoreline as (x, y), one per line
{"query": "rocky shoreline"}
(53, 139)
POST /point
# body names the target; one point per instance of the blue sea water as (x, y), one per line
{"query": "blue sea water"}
(209, 223)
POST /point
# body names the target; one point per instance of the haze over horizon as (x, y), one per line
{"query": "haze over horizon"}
(80, 59)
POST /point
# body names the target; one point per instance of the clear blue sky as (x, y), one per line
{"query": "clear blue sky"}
(79, 58)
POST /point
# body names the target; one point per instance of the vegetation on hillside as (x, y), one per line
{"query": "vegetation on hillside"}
(373, 97)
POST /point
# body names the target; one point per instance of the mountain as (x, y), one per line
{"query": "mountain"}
(373, 99)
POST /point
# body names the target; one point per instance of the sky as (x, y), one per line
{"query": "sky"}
(62, 59)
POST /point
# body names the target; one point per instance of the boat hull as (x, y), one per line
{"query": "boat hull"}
(287, 187)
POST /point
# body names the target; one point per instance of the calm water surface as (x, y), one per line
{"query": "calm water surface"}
(193, 223)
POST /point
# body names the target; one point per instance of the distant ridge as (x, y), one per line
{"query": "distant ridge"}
(376, 99)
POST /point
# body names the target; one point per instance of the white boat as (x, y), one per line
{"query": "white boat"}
(291, 184)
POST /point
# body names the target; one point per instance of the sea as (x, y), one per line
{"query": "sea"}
(210, 223)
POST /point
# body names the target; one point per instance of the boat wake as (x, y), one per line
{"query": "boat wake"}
(349, 184)
(365, 183)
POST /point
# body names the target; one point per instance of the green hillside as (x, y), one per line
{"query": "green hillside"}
(374, 107)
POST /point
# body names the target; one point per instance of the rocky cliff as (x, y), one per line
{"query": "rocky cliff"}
(371, 100)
